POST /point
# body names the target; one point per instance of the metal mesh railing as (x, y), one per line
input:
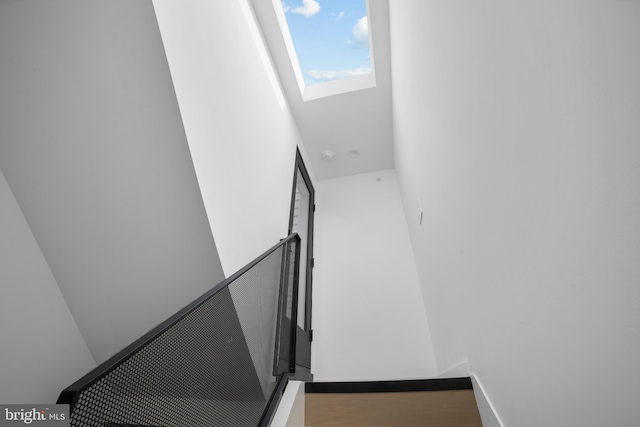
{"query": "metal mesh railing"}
(216, 363)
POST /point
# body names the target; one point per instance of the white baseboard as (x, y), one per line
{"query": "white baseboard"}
(488, 413)
(290, 412)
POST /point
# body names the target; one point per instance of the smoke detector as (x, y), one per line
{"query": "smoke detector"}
(327, 155)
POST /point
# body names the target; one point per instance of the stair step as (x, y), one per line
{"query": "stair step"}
(451, 407)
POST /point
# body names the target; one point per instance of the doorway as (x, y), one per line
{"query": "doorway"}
(301, 222)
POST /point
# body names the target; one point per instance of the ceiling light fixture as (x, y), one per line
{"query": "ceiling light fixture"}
(327, 155)
(354, 153)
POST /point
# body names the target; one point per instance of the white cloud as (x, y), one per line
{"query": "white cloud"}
(338, 15)
(361, 31)
(325, 76)
(285, 7)
(308, 8)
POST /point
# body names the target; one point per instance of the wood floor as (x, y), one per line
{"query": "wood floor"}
(452, 408)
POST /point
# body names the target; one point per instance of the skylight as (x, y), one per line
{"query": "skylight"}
(328, 41)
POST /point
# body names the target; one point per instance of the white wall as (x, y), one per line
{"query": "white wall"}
(42, 351)
(93, 148)
(517, 125)
(241, 135)
(368, 318)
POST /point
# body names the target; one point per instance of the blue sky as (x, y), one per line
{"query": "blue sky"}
(331, 37)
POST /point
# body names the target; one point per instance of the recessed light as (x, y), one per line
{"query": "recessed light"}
(354, 153)
(327, 155)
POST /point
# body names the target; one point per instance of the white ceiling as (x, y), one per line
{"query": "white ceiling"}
(359, 120)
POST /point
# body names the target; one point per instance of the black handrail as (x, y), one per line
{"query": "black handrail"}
(71, 394)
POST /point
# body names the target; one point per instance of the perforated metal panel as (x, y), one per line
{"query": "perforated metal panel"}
(214, 367)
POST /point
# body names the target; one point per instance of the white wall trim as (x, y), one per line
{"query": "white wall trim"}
(290, 412)
(488, 413)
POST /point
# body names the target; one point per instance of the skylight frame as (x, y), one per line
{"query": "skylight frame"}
(329, 88)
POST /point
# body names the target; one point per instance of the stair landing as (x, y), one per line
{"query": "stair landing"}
(435, 408)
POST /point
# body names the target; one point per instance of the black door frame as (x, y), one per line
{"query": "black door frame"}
(299, 166)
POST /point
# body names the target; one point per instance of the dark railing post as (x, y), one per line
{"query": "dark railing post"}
(294, 309)
(270, 410)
